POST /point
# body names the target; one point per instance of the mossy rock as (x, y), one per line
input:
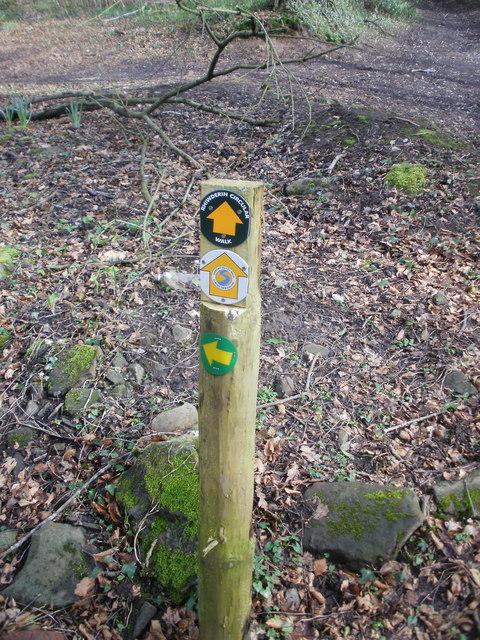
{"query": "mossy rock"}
(72, 369)
(435, 138)
(159, 497)
(80, 399)
(6, 339)
(459, 499)
(360, 524)
(54, 566)
(407, 177)
(7, 257)
(306, 186)
(21, 437)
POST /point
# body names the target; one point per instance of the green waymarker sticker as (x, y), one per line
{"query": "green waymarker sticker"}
(217, 353)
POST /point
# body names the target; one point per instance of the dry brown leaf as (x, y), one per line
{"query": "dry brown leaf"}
(155, 632)
(316, 595)
(33, 635)
(274, 623)
(320, 566)
(262, 501)
(84, 587)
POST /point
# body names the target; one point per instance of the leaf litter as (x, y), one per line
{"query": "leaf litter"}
(354, 270)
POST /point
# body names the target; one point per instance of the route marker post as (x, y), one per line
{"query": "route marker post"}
(230, 242)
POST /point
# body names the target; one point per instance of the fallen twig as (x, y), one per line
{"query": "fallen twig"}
(295, 397)
(54, 515)
(414, 421)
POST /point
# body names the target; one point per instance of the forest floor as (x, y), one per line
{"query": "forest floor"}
(354, 269)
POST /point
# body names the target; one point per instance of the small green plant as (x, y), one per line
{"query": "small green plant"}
(9, 116)
(367, 575)
(75, 113)
(266, 569)
(403, 344)
(23, 112)
(52, 299)
(265, 395)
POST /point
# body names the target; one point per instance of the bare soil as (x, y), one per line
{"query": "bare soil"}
(428, 70)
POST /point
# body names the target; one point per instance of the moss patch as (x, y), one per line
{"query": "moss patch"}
(79, 399)
(8, 254)
(5, 338)
(21, 437)
(436, 138)
(464, 506)
(165, 477)
(407, 177)
(71, 369)
(357, 519)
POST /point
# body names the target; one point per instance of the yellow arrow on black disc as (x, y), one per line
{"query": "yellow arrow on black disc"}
(225, 220)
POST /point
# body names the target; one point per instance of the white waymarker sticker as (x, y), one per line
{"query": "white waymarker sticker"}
(224, 276)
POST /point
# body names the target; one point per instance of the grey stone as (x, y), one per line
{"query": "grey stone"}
(73, 368)
(154, 369)
(284, 386)
(313, 349)
(113, 376)
(119, 361)
(181, 334)
(7, 539)
(146, 612)
(38, 349)
(360, 524)
(292, 600)
(460, 498)
(32, 408)
(306, 186)
(36, 388)
(122, 391)
(138, 372)
(177, 280)
(80, 399)
(159, 496)
(54, 566)
(458, 382)
(148, 339)
(20, 466)
(183, 418)
(440, 299)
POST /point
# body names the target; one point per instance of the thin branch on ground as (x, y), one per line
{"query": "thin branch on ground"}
(298, 395)
(68, 502)
(414, 421)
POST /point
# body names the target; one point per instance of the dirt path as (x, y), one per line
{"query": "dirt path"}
(430, 69)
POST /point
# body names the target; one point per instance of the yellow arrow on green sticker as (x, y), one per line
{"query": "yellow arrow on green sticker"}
(217, 353)
(213, 353)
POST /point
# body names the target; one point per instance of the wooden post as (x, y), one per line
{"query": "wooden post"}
(231, 214)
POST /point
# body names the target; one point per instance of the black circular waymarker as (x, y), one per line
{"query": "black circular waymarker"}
(224, 218)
